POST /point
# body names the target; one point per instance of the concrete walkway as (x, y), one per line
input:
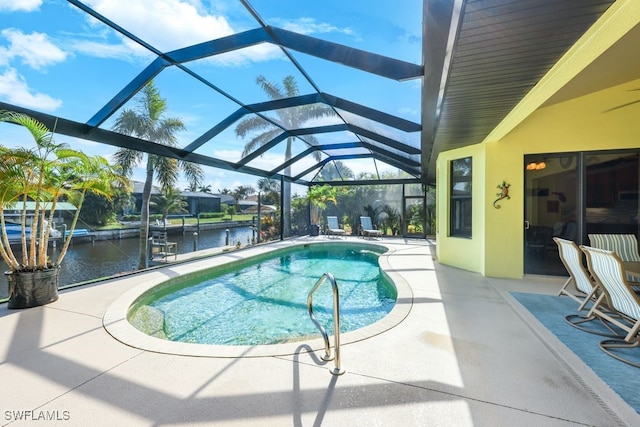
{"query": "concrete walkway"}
(464, 354)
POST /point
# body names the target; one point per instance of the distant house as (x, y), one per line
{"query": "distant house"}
(226, 199)
(251, 206)
(197, 201)
(137, 195)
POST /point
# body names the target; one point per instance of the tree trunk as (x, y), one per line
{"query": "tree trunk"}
(143, 256)
(286, 195)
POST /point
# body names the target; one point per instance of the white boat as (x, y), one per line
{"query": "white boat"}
(15, 230)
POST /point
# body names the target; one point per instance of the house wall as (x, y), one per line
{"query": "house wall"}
(587, 123)
(462, 252)
(590, 116)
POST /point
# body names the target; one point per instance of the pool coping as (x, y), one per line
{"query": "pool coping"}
(116, 324)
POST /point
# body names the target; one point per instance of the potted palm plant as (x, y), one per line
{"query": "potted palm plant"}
(32, 182)
(318, 196)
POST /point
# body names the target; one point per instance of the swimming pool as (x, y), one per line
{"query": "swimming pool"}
(138, 286)
(262, 300)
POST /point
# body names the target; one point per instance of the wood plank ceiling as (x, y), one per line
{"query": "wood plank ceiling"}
(500, 51)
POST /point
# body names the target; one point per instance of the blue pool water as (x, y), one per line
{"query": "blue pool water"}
(264, 301)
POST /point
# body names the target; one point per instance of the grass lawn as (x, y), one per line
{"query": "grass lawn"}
(177, 221)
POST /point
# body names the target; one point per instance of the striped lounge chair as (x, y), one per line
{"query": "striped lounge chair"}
(624, 245)
(588, 291)
(606, 267)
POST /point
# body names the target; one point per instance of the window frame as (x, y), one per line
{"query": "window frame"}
(461, 200)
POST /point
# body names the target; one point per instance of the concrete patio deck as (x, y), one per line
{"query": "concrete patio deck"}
(464, 355)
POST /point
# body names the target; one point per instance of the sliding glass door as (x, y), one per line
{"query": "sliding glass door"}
(611, 201)
(551, 206)
(573, 195)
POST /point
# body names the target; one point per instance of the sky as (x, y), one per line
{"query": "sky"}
(56, 59)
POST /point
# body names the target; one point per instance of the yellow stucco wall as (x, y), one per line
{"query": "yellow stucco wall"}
(581, 124)
(504, 227)
(466, 253)
(586, 123)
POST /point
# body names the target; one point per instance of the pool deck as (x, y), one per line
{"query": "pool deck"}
(459, 352)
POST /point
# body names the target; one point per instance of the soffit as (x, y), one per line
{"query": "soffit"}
(499, 52)
(614, 67)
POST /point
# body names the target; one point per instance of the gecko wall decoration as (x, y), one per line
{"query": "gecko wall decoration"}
(504, 193)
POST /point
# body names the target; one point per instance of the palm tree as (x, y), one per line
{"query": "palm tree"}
(268, 185)
(169, 201)
(205, 188)
(242, 192)
(45, 175)
(146, 121)
(262, 131)
(270, 188)
(319, 196)
(335, 171)
(230, 210)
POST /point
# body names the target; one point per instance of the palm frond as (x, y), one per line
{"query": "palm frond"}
(314, 111)
(251, 124)
(129, 122)
(273, 90)
(193, 173)
(166, 170)
(127, 159)
(313, 141)
(259, 140)
(290, 86)
(40, 133)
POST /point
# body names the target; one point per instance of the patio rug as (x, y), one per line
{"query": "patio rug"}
(550, 310)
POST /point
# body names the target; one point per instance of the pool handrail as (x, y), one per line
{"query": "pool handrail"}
(337, 370)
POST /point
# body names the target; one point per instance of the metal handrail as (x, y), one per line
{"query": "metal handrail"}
(336, 322)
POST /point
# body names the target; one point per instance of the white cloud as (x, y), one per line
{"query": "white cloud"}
(311, 26)
(167, 25)
(170, 25)
(36, 51)
(19, 5)
(33, 49)
(102, 50)
(409, 111)
(15, 90)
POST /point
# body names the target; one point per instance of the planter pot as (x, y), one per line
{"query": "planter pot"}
(32, 289)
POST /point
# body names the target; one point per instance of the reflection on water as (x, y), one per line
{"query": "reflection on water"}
(86, 261)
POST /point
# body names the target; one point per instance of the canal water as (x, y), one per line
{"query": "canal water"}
(103, 258)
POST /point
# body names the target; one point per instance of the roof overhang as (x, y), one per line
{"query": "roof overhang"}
(482, 58)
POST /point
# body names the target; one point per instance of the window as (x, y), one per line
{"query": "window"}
(460, 198)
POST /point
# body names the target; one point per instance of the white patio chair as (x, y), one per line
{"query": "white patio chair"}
(367, 228)
(624, 245)
(606, 267)
(571, 257)
(333, 229)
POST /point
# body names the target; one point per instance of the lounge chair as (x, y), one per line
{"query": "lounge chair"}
(333, 229)
(367, 229)
(624, 245)
(606, 267)
(588, 291)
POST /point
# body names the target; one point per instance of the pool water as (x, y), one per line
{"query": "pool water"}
(265, 302)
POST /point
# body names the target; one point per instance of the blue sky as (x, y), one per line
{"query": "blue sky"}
(56, 59)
